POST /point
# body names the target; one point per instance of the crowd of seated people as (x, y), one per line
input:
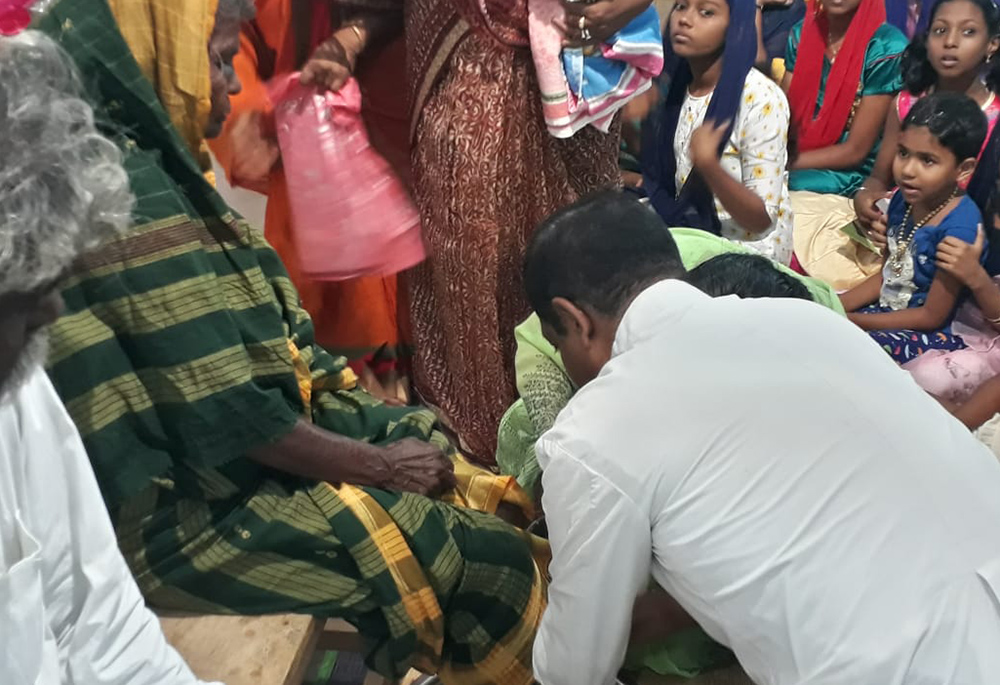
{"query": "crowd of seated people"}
(876, 163)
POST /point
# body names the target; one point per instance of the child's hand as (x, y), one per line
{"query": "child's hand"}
(254, 154)
(877, 233)
(866, 207)
(961, 260)
(705, 142)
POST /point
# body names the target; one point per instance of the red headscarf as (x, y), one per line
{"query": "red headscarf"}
(827, 127)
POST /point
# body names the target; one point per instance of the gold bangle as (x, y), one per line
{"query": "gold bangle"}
(995, 321)
(357, 32)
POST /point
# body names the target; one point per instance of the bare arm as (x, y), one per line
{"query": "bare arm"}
(311, 452)
(655, 616)
(877, 185)
(981, 407)
(882, 171)
(745, 206)
(761, 61)
(862, 294)
(987, 296)
(865, 130)
(334, 61)
(961, 260)
(932, 315)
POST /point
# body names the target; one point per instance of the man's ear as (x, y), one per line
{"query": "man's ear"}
(966, 169)
(572, 318)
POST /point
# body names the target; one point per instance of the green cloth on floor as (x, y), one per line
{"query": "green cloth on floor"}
(685, 654)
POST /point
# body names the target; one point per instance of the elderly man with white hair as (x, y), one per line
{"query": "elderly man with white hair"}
(70, 611)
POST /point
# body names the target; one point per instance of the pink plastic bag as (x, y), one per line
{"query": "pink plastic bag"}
(351, 215)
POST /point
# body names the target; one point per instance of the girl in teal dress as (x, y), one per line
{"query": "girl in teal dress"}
(842, 72)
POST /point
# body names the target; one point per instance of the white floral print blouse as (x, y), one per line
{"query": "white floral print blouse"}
(756, 155)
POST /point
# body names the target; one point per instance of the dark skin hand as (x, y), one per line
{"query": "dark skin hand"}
(409, 465)
(335, 60)
(655, 617)
(332, 64)
(602, 19)
(980, 408)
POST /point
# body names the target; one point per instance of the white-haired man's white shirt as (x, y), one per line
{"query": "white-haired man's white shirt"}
(787, 484)
(70, 612)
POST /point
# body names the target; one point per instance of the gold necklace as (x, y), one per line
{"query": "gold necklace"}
(903, 244)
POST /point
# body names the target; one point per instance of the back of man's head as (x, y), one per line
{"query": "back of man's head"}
(747, 276)
(598, 253)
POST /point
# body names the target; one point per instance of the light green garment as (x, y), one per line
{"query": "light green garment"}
(545, 389)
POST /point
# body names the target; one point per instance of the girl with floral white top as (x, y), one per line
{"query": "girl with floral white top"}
(715, 158)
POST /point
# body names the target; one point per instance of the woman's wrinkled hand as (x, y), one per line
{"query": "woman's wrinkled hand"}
(600, 20)
(418, 467)
(330, 66)
(254, 154)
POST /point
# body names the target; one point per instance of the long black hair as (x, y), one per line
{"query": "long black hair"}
(918, 72)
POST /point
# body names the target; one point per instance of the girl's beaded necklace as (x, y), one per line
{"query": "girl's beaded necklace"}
(898, 259)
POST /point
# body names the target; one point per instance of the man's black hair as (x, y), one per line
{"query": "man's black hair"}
(954, 119)
(745, 275)
(599, 252)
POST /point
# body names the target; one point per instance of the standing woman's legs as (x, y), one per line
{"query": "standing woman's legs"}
(486, 172)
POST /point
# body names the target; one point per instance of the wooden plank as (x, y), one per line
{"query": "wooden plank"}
(245, 650)
(340, 636)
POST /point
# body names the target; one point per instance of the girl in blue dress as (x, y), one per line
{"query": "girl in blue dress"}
(908, 307)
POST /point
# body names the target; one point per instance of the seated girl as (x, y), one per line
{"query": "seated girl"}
(842, 71)
(913, 303)
(954, 55)
(714, 155)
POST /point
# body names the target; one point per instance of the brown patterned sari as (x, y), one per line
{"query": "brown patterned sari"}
(486, 172)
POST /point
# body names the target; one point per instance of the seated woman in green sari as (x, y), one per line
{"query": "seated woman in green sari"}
(545, 389)
(243, 468)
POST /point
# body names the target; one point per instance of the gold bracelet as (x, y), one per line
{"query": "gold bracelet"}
(995, 321)
(357, 32)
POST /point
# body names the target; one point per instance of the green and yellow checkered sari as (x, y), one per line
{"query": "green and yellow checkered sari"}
(182, 347)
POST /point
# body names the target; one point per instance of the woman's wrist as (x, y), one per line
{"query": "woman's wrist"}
(352, 40)
(706, 165)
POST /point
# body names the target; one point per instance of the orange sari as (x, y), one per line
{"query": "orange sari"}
(358, 317)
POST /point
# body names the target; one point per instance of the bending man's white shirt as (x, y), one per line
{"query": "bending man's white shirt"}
(70, 612)
(797, 494)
